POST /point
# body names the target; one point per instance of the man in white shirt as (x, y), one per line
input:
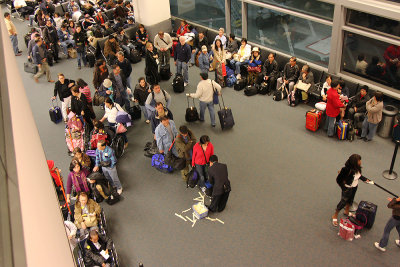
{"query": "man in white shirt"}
(205, 93)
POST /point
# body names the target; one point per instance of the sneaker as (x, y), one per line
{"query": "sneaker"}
(357, 236)
(378, 247)
(185, 84)
(397, 242)
(119, 191)
(147, 121)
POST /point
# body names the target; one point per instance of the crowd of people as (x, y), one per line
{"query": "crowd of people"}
(85, 23)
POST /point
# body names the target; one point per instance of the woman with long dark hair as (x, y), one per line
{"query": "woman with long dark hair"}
(348, 181)
(76, 178)
(100, 73)
(220, 59)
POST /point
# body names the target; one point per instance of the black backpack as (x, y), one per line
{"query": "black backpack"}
(251, 90)
(178, 84)
(263, 89)
(192, 178)
(240, 84)
(134, 56)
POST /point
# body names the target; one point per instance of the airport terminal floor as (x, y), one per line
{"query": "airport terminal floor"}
(283, 181)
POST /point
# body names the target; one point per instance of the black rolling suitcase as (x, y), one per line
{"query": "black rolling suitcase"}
(178, 84)
(366, 211)
(250, 90)
(191, 112)
(55, 113)
(165, 72)
(50, 57)
(91, 56)
(225, 116)
(135, 57)
(240, 84)
(30, 68)
(135, 112)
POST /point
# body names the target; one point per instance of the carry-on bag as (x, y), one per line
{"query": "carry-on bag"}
(346, 229)
(191, 112)
(30, 67)
(135, 112)
(280, 94)
(173, 161)
(368, 210)
(165, 72)
(341, 130)
(313, 119)
(250, 90)
(263, 89)
(158, 162)
(192, 178)
(134, 56)
(178, 84)
(55, 113)
(240, 84)
(225, 116)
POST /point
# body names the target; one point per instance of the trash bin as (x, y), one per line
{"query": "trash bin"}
(388, 118)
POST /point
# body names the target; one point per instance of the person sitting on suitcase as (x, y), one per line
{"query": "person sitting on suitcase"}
(142, 90)
(157, 95)
(205, 93)
(156, 115)
(165, 134)
(394, 221)
(95, 247)
(347, 179)
(184, 146)
(221, 186)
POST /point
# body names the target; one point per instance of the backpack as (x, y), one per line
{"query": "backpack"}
(280, 94)
(293, 99)
(158, 162)
(192, 178)
(96, 138)
(153, 102)
(231, 80)
(178, 84)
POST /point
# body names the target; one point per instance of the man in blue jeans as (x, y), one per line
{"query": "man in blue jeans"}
(182, 56)
(106, 159)
(394, 221)
(205, 91)
(333, 107)
(12, 32)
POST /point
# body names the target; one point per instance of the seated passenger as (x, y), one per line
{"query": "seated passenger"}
(142, 38)
(254, 67)
(221, 37)
(357, 107)
(361, 64)
(291, 73)
(123, 41)
(270, 73)
(87, 213)
(241, 57)
(76, 178)
(199, 41)
(100, 187)
(182, 29)
(327, 84)
(232, 46)
(305, 82)
(71, 229)
(97, 250)
(111, 48)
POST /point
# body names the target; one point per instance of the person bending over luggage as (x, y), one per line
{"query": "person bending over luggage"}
(82, 159)
(62, 88)
(151, 69)
(218, 177)
(105, 158)
(76, 178)
(358, 107)
(86, 214)
(165, 134)
(111, 47)
(333, 107)
(205, 93)
(95, 246)
(142, 90)
(80, 106)
(348, 181)
(305, 83)
(394, 221)
(269, 74)
(184, 147)
(156, 96)
(374, 116)
(111, 112)
(290, 75)
(254, 67)
(202, 151)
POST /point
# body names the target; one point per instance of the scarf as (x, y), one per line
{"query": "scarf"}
(76, 182)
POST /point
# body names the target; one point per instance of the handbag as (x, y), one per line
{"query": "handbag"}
(121, 128)
(256, 69)
(223, 67)
(98, 99)
(173, 161)
(303, 86)
(90, 221)
(215, 95)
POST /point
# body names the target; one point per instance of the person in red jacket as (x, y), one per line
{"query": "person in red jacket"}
(202, 152)
(333, 106)
(183, 28)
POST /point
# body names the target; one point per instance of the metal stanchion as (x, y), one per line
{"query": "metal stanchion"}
(390, 174)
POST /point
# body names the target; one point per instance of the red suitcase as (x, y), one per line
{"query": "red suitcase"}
(346, 229)
(313, 119)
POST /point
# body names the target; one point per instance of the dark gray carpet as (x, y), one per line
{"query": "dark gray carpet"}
(283, 187)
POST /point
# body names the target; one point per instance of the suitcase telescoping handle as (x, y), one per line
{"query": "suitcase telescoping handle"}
(223, 103)
(187, 98)
(52, 103)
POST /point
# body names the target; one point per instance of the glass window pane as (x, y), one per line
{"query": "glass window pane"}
(288, 34)
(208, 13)
(374, 23)
(236, 17)
(372, 59)
(311, 7)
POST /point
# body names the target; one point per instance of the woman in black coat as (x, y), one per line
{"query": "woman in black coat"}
(151, 70)
(348, 181)
(80, 107)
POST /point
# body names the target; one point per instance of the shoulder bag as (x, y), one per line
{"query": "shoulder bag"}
(173, 161)
(215, 95)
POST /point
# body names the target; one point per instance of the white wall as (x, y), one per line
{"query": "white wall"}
(151, 12)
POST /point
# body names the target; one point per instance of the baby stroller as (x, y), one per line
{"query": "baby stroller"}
(75, 133)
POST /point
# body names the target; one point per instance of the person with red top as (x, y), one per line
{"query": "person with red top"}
(333, 106)
(84, 89)
(392, 58)
(202, 152)
(182, 29)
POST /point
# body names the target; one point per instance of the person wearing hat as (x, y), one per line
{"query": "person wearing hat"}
(358, 108)
(111, 47)
(106, 89)
(204, 60)
(254, 67)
